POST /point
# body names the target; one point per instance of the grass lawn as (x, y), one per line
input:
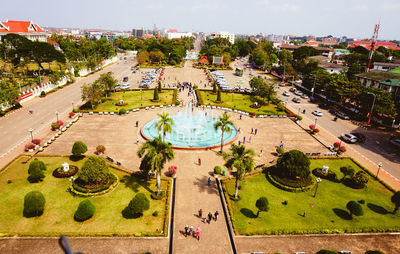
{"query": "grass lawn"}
(240, 102)
(61, 205)
(135, 99)
(326, 213)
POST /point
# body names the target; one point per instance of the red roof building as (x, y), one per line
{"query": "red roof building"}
(24, 28)
(367, 44)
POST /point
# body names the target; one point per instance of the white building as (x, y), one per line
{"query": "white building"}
(178, 35)
(24, 28)
(227, 35)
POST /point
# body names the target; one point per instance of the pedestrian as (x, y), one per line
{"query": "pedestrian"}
(191, 230)
(137, 140)
(186, 230)
(216, 215)
(261, 153)
(239, 142)
(200, 213)
(239, 130)
(255, 132)
(209, 217)
(252, 130)
(240, 116)
(250, 139)
(281, 144)
(199, 160)
(209, 181)
(198, 235)
(244, 140)
(137, 123)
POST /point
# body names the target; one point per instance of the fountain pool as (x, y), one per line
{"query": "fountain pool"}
(192, 130)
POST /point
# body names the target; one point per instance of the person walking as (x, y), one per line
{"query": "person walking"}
(261, 153)
(186, 230)
(216, 214)
(200, 213)
(137, 123)
(199, 161)
(252, 130)
(255, 132)
(191, 230)
(209, 181)
(209, 217)
(244, 140)
(240, 116)
(250, 139)
(137, 140)
(198, 235)
(281, 144)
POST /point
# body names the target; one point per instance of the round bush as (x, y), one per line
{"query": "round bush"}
(136, 206)
(262, 204)
(330, 175)
(155, 213)
(325, 251)
(85, 210)
(35, 171)
(217, 170)
(79, 148)
(94, 171)
(293, 165)
(34, 203)
(122, 111)
(358, 181)
(355, 208)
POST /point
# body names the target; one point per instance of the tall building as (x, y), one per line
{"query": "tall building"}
(137, 32)
(24, 28)
(227, 35)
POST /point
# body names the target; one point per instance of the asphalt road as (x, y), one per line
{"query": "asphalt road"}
(15, 127)
(376, 148)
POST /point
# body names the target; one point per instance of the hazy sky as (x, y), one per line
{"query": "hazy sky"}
(354, 18)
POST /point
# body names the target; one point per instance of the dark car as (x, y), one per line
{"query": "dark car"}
(360, 137)
(332, 111)
(324, 105)
(342, 115)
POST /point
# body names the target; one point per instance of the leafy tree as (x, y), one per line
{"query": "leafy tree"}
(36, 171)
(156, 56)
(219, 96)
(142, 57)
(347, 171)
(34, 203)
(108, 82)
(285, 56)
(355, 208)
(94, 171)
(85, 210)
(42, 52)
(136, 206)
(384, 104)
(9, 96)
(304, 52)
(264, 89)
(214, 87)
(79, 148)
(396, 200)
(159, 86)
(262, 205)
(165, 124)
(155, 95)
(223, 124)
(242, 160)
(157, 153)
(92, 93)
(294, 164)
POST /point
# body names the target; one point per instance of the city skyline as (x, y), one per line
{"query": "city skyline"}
(353, 18)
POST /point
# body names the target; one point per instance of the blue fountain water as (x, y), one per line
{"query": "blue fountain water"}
(192, 129)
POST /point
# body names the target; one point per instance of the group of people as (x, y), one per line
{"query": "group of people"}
(253, 131)
(189, 231)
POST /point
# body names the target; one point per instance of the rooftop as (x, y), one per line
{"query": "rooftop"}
(387, 64)
(379, 75)
(14, 26)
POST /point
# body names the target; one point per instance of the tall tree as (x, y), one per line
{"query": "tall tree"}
(92, 93)
(223, 125)
(165, 124)
(157, 153)
(42, 52)
(108, 81)
(242, 160)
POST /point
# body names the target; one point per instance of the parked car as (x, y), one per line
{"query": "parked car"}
(342, 115)
(125, 79)
(293, 89)
(349, 138)
(286, 93)
(324, 105)
(360, 137)
(396, 142)
(281, 84)
(125, 86)
(304, 96)
(317, 113)
(298, 93)
(296, 100)
(332, 111)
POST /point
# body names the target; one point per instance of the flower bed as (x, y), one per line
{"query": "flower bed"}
(60, 173)
(88, 191)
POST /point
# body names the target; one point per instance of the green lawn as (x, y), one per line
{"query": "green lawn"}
(61, 205)
(135, 99)
(240, 102)
(326, 213)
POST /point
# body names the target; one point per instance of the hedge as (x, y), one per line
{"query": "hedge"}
(85, 210)
(80, 191)
(282, 186)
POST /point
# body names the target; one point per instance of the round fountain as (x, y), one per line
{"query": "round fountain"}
(192, 130)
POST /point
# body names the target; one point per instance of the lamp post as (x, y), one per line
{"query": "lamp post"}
(31, 131)
(315, 123)
(372, 108)
(73, 106)
(57, 115)
(315, 81)
(299, 112)
(379, 167)
(316, 188)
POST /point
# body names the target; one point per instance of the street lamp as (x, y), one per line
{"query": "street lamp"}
(372, 108)
(299, 112)
(316, 188)
(73, 106)
(315, 123)
(31, 131)
(232, 96)
(57, 115)
(379, 167)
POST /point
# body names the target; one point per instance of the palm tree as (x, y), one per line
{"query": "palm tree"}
(241, 159)
(223, 124)
(164, 124)
(156, 152)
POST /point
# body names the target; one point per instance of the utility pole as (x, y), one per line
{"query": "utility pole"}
(373, 44)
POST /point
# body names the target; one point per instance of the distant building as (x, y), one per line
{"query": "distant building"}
(24, 28)
(324, 63)
(109, 36)
(385, 66)
(137, 32)
(329, 41)
(385, 80)
(218, 60)
(367, 44)
(277, 38)
(229, 36)
(174, 34)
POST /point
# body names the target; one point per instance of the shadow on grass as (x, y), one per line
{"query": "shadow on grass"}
(134, 182)
(377, 208)
(248, 213)
(343, 214)
(76, 157)
(128, 215)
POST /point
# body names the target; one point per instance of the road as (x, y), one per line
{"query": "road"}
(376, 148)
(15, 127)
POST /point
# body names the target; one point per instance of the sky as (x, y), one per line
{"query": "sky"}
(352, 18)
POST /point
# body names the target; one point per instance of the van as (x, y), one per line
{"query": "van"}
(125, 79)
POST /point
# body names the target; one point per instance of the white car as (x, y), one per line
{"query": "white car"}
(281, 84)
(317, 113)
(286, 93)
(125, 86)
(304, 96)
(298, 93)
(349, 138)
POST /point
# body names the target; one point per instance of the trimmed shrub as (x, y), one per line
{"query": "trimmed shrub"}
(299, 118)
(56, 125)
(347, 172)
(358, 181)
(374, 252)
(214, 88)
(94, 171)
(34, 203)
(355, 208)
(280, 150)
(325, 251)
(29, 146)
(60, 173)
(122, 111)
(330, 175)
(293, 165)
(85, 210)
(75, 110)
(71, 114)
(36, 141)
(155, 213)
(35, 171)
(155, 95)
(136, 206)
(262, 205)
(159, 87)
(79, 148)
(43, 94)
(217, 170)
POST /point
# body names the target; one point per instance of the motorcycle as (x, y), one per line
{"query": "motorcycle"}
(335, 119)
